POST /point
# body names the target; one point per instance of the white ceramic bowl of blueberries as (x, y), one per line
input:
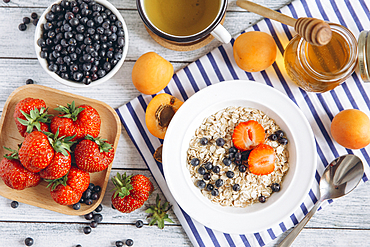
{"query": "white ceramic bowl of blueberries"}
(81, 43)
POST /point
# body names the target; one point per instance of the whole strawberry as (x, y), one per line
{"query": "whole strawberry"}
(59, 166)
(131, 192)
(76, 121)
(13, 173)
(38, 150)
(31, 114)
(93, 154)
(68, 190)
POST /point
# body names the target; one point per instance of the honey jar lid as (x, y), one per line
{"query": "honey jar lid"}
(364, 55)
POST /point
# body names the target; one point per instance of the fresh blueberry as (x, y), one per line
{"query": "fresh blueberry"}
(119, 243)
(236, 187)
(226, 161)
(238, 156)
(208, 166)
(238, 162)
(34, 15)
(76, 206)
(97, 188)
(94, 196)
(216, 169)
(231, 156)
(22, 27)
(93, 224)
(233, 150)
(194, 162)
(87, 230)
(99, 208)
(201, 184)
(207, 176)
(14, 204)
(203, 141)
(89, 216)
(29, 81)
(88, 201)
(201, 170)
(230, 174)
(273, 137)
(279, 133)
(98, 218)
(220, 142)
(219, 182)
(26, 20)
(129, 242)
(87, 194)
(275, 187)
(209, 187)
(28, 241)
(242, 168)
(214, 192)
(139, 224)
(262, 199)
(283, 141)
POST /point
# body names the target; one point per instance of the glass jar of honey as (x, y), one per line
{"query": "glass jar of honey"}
(322, 68)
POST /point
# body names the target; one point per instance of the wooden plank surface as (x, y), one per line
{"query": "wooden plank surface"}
(343, 223)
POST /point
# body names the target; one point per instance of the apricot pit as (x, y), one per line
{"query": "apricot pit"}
(159, 113)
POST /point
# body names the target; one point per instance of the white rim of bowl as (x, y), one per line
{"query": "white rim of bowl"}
(56, 77)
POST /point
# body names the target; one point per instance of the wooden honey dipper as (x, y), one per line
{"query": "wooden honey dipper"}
(314, 31)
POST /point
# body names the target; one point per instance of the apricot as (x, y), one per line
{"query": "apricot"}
(254, 51)
(351, 129)
(151, 73)
(159, 113)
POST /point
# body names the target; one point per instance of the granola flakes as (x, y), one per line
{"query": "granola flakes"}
(221, 125)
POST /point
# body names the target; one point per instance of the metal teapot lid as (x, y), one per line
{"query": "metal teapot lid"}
(364, 55)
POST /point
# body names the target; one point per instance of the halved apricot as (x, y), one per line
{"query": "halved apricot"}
(159, 113)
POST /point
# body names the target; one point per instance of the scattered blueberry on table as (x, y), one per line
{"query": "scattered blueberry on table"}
(129, 242)
(14, 204)
(93, 224)
(22, 27)
(99, 208)
(87, 230)
(139, 224)
(119, 243)
(28, 241)
(29, 81)
(89, 216)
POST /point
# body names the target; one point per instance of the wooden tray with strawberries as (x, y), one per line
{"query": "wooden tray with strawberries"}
(10, 137)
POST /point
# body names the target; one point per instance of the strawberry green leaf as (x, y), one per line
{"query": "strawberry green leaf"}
(13, 154)
(158, 213)
(122, 184)
(70, 111)
(55, 182)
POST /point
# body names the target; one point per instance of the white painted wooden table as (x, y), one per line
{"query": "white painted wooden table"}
(344, 223)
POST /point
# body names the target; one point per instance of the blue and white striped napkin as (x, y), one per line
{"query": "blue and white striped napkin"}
(319, 109)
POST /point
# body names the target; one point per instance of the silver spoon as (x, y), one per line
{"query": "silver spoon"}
(340, 177)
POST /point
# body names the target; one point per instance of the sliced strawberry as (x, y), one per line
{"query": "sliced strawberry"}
(261, 160)
(248, 135)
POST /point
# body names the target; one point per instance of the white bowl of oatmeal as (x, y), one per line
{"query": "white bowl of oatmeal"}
(234, 214)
